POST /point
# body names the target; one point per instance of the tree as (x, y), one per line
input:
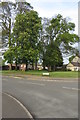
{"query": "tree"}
(43, 40)
(60, 31)
(53, 57)
(22, 7)
(6, 16)
(9, 11)
(25, 37)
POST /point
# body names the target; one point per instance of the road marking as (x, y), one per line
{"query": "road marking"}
(17, 77)
(58, 81)
(36, 83)
(48, 80)
(32, 83)
(25, 109)
(4, 79)
(70, 88)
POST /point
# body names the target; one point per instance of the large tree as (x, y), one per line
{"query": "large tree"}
(43, 40)
(9, 10)
(60, 31)
(5, 21)
(25, 37)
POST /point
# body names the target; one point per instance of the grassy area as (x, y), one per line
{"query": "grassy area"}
(56, 74)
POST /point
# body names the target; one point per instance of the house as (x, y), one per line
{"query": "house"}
(74, 65)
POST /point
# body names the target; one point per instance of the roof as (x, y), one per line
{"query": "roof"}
(70, 65)
(75, 64)
(76, 59)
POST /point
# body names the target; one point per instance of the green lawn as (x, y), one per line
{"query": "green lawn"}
(56, 74)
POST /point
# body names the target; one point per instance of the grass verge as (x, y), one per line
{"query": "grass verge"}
(56, 74)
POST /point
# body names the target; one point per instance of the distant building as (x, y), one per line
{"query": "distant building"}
(74, 65)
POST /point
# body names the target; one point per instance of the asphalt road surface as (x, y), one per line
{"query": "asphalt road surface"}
(44, 98)
(13, 108)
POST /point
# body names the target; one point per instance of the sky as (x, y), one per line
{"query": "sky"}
(50, 8)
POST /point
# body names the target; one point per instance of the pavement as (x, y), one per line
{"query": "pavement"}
(12, 108)
(44, 98)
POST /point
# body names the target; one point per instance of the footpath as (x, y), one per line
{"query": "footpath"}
(12, 108)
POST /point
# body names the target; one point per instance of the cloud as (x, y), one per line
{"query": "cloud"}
(51, 1)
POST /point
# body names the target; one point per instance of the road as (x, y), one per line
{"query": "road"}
(12, 108)
(44, 98)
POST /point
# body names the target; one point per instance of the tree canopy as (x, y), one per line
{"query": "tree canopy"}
(31, 38)
(25, 37)
(9, 10)
(58, 31)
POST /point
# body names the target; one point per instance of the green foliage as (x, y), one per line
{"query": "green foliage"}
(25, 36)
(3, 62)
(32, 40)
(8, 12)
(57, 31)
(53, 56)
(9, 55)
(60, 30)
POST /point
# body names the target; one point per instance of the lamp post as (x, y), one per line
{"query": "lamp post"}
(79, 55)
(79, 25)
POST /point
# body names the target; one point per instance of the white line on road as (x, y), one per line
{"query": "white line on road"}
(36, 83)
(18, 77)
(70, 88)
(32, 83)
(5, 79)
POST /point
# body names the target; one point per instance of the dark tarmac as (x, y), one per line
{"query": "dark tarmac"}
(12, 109)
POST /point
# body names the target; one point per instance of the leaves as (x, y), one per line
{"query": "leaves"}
(25, 36)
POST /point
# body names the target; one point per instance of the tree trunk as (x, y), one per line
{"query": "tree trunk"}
(26, 66)
(43, 65)
(36, 65)
(32, 65)
(9, 32)
(49, 68)
(10, 68)
(16, 66)
(54, 68)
